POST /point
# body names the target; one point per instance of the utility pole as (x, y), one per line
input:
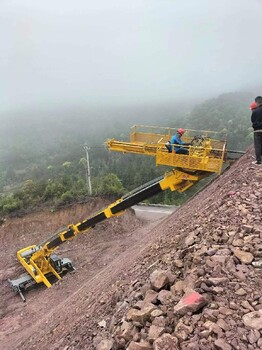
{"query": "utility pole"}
(88, 174)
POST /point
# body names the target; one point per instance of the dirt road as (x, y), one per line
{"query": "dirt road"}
(149, 212)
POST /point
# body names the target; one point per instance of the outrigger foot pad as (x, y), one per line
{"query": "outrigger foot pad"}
(21, 283)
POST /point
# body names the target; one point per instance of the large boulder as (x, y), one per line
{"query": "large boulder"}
(166, 342)
(142, 315)
(253, 320)
(191, 302)
(139, 346)
(158, 279)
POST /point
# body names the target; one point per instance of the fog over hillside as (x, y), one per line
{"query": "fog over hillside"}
(62, 54)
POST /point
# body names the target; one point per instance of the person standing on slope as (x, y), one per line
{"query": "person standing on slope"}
(256, 119)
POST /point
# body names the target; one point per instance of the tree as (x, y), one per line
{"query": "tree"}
(110, 185)
(54, 189)
(9, 204)
(67, 165)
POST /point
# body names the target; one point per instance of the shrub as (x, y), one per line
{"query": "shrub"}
(9, 204)
(53, 190)
(110, 185)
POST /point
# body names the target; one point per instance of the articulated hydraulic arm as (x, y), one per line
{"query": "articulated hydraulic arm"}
(205, 155)
(40, 261)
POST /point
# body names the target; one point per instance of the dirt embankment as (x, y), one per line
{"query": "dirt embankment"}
(206, 247)
(90, 253)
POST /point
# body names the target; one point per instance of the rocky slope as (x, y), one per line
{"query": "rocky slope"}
(193, 281)
(204, 288)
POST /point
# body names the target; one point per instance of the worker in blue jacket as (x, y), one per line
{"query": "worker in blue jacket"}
(176, 141)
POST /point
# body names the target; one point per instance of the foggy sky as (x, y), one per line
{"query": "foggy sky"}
(114, 52)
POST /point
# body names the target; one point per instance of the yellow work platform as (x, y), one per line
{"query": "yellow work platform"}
(206, 152)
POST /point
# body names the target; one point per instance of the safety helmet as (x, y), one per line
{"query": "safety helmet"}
(253, 105)
(181, 131)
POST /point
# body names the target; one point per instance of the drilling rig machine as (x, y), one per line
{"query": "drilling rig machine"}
(206, 155)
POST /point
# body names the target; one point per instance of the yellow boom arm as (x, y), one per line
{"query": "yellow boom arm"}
(37, 260)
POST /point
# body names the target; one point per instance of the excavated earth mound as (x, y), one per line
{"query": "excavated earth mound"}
(192, 281)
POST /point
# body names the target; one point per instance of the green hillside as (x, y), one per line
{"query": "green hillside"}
(42, 160)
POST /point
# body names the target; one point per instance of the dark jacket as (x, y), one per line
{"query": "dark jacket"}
(256, 118)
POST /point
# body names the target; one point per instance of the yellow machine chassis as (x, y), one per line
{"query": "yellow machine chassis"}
(37, 265)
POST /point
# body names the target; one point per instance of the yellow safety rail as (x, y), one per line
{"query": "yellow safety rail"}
(206, 153)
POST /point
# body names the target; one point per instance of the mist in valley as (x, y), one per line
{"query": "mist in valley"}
(83, 72)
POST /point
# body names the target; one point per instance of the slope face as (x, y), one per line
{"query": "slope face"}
(207, 246)
(90, 253)
(209, 252)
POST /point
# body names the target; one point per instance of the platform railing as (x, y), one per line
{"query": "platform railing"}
(206, 155)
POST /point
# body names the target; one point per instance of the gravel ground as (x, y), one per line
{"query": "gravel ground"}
(190, 281)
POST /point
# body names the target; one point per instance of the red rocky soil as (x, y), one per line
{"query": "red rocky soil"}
(192, 281)
(91, 254)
